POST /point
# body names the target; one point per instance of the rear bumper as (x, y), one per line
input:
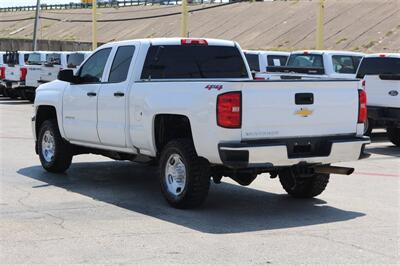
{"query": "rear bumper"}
(286, 152)
(384, 116)
(11, 84)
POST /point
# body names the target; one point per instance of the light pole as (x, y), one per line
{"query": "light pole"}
(36, 25)
(320, 25)
(94, 24)
(184, 19)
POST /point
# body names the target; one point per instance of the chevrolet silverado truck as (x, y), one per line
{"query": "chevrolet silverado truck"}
(380, 74)
(191, 105)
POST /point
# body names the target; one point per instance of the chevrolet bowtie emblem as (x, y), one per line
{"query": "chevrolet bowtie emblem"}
(304, 112)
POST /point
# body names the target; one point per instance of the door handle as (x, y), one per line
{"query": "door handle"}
(304, 98)
(91, 94)
(119, 94)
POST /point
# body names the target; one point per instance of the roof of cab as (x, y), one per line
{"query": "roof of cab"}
(329, 52)
(395, 55)
(171, 41)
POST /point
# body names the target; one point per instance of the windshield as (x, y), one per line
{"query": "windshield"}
(74, 60)
(33, 59)
(54, 59)
(378, 66)
(305, 60)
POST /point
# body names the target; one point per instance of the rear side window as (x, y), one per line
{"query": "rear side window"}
(305, 60)
(378, 66)
(120, 66)
(54, 59)
(193, 61)
(253, 61)
(277, 60)
(74, 60)
(345, 64)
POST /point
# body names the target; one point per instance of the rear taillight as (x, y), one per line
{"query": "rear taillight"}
(2, 72)
(194, 42)
(23, 72)
(259, 78)
(229, 110)
(362, 106)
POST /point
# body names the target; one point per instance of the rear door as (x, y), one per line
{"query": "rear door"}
(80, 100)
(113, 98)
(299, 109)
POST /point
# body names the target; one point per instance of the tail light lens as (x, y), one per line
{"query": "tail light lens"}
(229, 110)
(194, 42)
(259, 78)
(2, 72)
(23, 72)
(362, 106)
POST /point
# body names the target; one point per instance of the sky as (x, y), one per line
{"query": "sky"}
(7, 3)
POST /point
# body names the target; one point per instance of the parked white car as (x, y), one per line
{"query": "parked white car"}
(381, 81)
(317, 64)
(192, 105)
(259, 60)
(58, 61)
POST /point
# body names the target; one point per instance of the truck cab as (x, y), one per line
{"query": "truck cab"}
(380, 74)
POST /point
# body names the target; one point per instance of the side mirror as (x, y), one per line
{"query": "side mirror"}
(66, 75)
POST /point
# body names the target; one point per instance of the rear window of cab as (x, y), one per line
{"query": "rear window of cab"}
(193, 62)
(379, 66)
(305, 60)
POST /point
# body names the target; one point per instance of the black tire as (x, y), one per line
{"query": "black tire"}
(304, 186)
(393, 134)
(198, 175)
(369, 126)
(62, 158)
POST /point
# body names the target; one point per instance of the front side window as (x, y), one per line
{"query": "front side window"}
(92, 70)
(253, 61)
(33, 59)
(120, 66)
(305, 60)
(193, 62)
(277, 60)
(378, 66)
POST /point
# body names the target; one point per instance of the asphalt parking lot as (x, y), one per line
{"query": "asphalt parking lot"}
(103, 211)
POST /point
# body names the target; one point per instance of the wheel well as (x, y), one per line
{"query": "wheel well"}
(44, 112)
(168, 127)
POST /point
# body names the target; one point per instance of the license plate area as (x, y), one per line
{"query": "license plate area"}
(308, 148)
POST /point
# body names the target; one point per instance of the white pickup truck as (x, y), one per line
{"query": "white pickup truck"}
(316, 64)
(2, 72)
(191, 105)
(381, 81)
(57, 61)
(258, 61)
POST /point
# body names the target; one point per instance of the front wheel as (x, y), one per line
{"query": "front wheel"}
(394, 135)
(54, 152)
(184, 177)
(303, 186)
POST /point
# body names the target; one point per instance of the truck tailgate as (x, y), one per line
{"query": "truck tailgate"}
(49, 73)
(12, 73)
(299, 109)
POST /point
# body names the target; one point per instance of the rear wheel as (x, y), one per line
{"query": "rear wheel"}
(393, 134)
(184, 177)
(303, 186)
(54, 152)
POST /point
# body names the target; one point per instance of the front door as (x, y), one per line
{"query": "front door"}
(80, 100)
